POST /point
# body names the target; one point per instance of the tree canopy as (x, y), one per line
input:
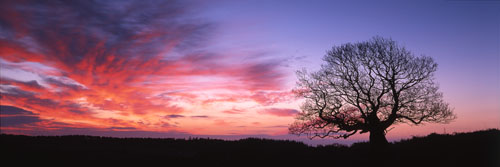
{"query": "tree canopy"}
(367, 87)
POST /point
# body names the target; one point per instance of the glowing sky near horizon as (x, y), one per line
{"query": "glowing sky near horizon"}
(222, 68)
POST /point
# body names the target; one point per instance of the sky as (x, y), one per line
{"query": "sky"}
(224, 69)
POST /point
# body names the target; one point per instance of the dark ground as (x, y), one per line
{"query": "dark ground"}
(481, 148)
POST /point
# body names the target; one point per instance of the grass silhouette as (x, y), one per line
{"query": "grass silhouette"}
(480, 148)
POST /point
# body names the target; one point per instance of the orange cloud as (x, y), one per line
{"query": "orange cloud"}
(115, 69)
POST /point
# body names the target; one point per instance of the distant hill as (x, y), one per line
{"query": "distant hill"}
(480, 148)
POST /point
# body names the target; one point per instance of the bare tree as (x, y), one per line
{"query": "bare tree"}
(367, 87)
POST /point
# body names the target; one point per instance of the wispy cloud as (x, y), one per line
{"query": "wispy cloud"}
(16, 117)
(173, 116)
(280, 112)
(200, 116)
(115, 64)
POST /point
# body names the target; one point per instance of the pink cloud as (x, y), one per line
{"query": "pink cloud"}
(233, 111)
(280, 112)
(272, 97)
(95, 70)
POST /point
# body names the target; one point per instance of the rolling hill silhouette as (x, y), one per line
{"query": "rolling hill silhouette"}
(480, 148)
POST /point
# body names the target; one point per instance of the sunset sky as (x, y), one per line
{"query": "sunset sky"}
(223, 69)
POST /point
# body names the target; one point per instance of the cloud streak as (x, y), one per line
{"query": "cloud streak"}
(280, 112)
(14, 117)
(123, 65)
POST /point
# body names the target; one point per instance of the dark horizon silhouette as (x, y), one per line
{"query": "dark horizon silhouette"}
(480, 148)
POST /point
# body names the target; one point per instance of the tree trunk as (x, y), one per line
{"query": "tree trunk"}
(377, 139)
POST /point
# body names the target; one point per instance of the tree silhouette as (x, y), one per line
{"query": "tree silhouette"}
(367, 87)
